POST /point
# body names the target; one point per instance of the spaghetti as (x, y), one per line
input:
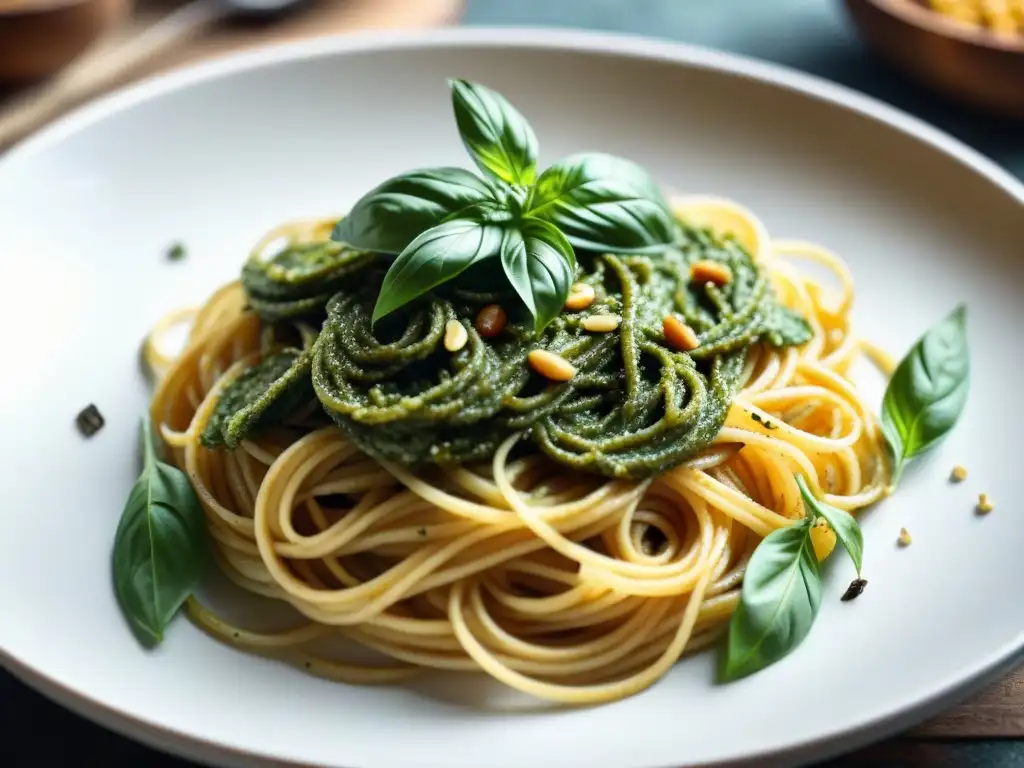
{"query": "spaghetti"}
(565, 578)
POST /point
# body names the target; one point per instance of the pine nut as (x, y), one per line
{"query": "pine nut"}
(706, 271)
(551, 366)
(455, 336)
(678, 334)
(491, 321)
(904, 539)
(823, 539)
(601, 323)
(580, 297)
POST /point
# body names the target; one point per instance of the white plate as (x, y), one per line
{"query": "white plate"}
(216, 155)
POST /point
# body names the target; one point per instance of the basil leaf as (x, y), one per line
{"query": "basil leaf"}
(433, 258)
(842, 523)
(540, 264)
(786, 328)
(263, 395)
(160, 546)
(778, 604)
(496, 135)
(488, 212)
(602, 202)
(927, 391)
(388, 217)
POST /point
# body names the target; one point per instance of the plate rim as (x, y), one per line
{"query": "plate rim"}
(881, 723)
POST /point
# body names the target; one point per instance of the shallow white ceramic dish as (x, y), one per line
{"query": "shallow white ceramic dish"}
(216, 155)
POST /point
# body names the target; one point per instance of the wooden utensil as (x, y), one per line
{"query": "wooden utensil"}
(100, 72)
(39, 37)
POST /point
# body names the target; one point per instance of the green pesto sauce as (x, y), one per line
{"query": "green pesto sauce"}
(299, 281)
(635, 407)
(263, 395)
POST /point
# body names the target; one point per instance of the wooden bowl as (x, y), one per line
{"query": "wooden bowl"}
(39, 37)
(973, 65)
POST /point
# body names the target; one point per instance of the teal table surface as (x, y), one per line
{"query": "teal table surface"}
(810, 35)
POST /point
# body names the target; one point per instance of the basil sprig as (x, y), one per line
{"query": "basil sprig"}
(781, 590)
(441, 221)
(927, 391)
(160, 546)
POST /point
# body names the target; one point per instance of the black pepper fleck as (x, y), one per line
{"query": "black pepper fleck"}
(854, 590)
(422, 531)
(89, 420)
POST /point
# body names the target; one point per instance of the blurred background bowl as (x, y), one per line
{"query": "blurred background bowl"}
(39, 37)
(972, 64)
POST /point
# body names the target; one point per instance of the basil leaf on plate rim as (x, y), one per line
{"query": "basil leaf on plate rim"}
(160, 547)
(781, 590)
(927, 391)
(779, 601)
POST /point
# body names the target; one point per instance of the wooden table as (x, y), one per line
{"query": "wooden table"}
(810, 36)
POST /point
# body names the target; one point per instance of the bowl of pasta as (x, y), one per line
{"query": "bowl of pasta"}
(968, 49)
(480, 407)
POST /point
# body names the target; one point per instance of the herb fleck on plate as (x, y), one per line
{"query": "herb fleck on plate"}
(854, 590)
(176, 252)
(89, 420)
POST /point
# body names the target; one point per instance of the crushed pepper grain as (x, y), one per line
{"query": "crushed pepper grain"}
(89, 420)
